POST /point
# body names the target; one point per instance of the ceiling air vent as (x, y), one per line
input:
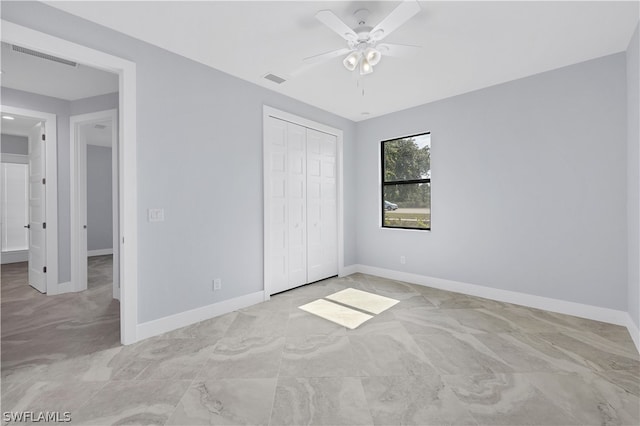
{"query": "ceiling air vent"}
(41, 55)
(274, 78)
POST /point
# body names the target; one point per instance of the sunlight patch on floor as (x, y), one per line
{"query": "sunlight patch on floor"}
(345, 316)
(363, 300)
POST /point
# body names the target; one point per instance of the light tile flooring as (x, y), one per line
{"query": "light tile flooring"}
(434, 358)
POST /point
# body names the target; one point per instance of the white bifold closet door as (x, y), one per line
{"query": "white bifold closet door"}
(303, 207)
(322, 221)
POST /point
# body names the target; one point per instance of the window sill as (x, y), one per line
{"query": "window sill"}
(404, 229)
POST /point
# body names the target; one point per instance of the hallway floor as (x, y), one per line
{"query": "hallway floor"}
(435, 357)
(39, 329)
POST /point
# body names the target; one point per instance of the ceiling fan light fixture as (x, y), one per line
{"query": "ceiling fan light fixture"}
(351, 61)
(378, 34)
(365, 67)
(373, 56)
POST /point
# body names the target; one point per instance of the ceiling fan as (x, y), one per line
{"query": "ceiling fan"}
(363, 49)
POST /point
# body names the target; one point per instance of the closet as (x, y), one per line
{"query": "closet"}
(301, 236)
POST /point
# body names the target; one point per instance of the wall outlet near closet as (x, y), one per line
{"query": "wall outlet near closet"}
(403, 260)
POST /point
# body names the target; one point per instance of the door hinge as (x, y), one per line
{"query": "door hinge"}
(44, 225)
(44, 269)
(44, 138)
(44, 181)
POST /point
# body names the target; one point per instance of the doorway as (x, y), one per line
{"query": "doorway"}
(95, 198)
(127, 179)
(29, 195)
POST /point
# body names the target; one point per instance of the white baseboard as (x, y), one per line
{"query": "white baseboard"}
(633, 331)
(183, 319)
(100, 252)
(65, 287)
(348, 270)
(15, 256)
(597, 313)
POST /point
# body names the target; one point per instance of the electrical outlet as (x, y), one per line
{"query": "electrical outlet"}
(403, 260)
(217, 284)
(155, 215)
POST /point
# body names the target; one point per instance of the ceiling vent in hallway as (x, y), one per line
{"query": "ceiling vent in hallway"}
(41, 55)
(274, 78)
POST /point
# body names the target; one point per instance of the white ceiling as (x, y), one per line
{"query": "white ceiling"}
(98, 133)
(19, 126)
(465, 45)
(36, 75)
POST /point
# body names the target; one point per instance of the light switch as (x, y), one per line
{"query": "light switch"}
(156, 215)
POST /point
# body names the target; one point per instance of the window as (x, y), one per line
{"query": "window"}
(406, 182)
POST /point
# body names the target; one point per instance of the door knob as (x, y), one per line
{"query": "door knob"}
(28, 226)
(85, 226)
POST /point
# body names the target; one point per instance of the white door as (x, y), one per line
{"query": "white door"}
(81, 162)
(301, 186)
(322, 242)
(288, 216)
(37, 217)
(277, 191)
(115, 191)
(15, 206)
(297, 182)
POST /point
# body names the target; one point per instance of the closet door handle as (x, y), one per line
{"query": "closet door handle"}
(27, 226)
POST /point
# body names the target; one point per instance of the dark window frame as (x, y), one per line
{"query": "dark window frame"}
(400, 182)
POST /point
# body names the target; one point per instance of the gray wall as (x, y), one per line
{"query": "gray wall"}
(633, 178)
(13, 144)
(199, 141)
(63, 110)
(99, 198)
(528, 186)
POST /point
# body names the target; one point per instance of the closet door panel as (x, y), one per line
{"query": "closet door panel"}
(321, 206)
(278, 212)
(297, 181)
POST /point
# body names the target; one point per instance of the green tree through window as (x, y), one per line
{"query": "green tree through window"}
(406, 182)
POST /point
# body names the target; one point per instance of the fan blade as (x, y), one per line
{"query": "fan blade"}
(327, 55)
(330, 19)
(312, 61)
(391, 49)
(401, 14)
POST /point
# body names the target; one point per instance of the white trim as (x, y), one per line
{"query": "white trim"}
(597, 313)
(268, 111)
(51, 188)
(100, 252)
(14, 158)
(65, 287)
(78, 179)
(14, 256)
(183, 319)
(13, 33)
(634, 332)
(348, 270)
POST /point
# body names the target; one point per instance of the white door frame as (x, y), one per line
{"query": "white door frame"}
(128, 186)
(267, 112)
(78, 179)
(51, 189)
